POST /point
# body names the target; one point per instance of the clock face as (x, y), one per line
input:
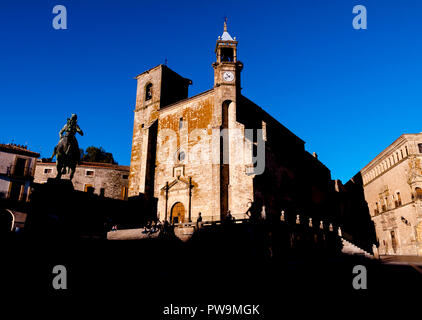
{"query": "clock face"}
(228, 76)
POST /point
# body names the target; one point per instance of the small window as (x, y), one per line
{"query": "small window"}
(418, 192)
(89, 173)
(181, 156)
(420, 147)
(180, 123)
(48, 170)
(148, 92)
(125, 176)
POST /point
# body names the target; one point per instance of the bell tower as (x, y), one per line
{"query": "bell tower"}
(227, 68)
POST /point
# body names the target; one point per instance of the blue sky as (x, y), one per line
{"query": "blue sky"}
(348, 93)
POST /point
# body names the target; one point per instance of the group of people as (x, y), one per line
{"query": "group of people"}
(152, 226)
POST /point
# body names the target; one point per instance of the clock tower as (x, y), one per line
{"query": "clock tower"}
(227, 68)
(226, 91)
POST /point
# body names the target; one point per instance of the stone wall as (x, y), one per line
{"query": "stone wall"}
(194, 141)
(113, 179)
(390, 191)
(202, 157)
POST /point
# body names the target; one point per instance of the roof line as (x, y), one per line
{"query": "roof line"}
(184, 100)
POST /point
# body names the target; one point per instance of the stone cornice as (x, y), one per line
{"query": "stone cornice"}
(387, 152)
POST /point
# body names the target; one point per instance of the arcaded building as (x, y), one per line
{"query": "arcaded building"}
(218, 151)
(392, 184)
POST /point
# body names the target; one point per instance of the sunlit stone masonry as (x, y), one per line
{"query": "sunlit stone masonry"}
(218, 151)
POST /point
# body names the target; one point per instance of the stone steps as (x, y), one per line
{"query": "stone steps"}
(351, 249)
(130, 234)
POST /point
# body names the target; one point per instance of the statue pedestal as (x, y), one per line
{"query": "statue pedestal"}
(52, 208)
(60, 185)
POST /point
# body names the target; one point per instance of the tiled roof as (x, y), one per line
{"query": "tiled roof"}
(22, 150)
(93, 165)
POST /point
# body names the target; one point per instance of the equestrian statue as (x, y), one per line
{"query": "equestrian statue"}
(67, 150)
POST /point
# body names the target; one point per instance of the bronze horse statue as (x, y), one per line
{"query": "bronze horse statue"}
(67, 150)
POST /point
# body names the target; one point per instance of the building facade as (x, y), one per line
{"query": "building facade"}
(103, 179)
(392, 184)
(17, 165)
(218, 151)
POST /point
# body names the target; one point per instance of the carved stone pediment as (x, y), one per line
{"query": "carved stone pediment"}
(178, 184)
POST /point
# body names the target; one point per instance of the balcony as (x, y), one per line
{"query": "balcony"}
(18, 172)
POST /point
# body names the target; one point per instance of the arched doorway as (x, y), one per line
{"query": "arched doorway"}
(7, 221)
(177, 213)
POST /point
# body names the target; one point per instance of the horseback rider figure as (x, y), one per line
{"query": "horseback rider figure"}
(67, 150)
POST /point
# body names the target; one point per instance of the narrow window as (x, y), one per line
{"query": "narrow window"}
(89, 173)
(180, 123)
(181, 156)
(148, 92)
(420, 147)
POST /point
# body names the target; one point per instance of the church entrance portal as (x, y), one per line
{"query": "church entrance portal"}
(177, 213)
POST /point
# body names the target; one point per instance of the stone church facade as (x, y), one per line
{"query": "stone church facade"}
(218, 151)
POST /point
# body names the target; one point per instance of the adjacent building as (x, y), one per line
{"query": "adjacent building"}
(218, 151)
(103, 179)
(17, 165)
(392, 185)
